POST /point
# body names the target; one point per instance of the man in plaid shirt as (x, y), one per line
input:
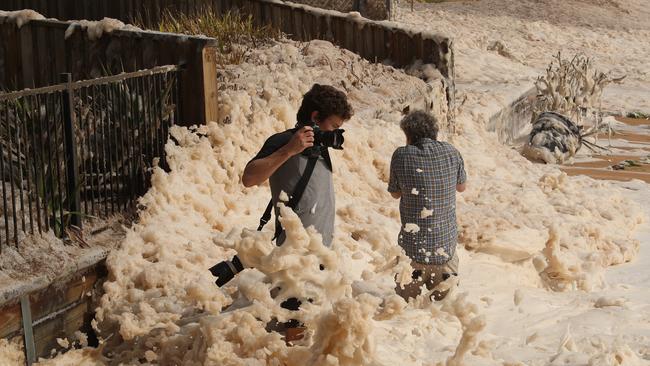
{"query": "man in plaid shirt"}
(425, 175)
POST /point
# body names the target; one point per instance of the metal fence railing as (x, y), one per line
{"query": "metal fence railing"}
(81, 149)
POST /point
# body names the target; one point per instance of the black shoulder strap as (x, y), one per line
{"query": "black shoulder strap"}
(302, 183)
(295, 197)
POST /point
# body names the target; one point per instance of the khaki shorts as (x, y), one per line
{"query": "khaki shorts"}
(430, 275)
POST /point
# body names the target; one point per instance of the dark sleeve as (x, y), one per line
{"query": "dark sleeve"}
(393, 183)
(273, 143)
(461, 176)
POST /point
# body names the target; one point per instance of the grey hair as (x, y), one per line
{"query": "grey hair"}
(418, 125)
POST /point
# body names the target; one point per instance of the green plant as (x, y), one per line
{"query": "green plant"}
(235, 34)
(639, 115)
(35, 162)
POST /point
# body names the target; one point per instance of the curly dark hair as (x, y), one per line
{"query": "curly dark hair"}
(418, 125)
(327, 101)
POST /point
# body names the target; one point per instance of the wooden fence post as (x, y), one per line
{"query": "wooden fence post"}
(210, 91)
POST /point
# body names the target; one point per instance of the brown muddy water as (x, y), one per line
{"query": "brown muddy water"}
(628, 162)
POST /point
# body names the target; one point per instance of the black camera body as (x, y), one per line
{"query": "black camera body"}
(226, 270)
(333, 139)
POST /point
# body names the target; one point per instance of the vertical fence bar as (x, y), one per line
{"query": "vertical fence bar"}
(141, 150)
(53, 169)
(5, 122)
(124, 136)
(133, 163)
(145, 132)
(42, 130)
(53, 154)
(120, 144)
(47, 165)
(157, 97)
(102, 121)
(163, 82)
(28, 156)
(147, 136)
(11, 173)
(96, 117)
(128, 112)
(109, 151)
(162, 106)
(83, 186)
(58, 143)
(177, 99)
(35, 159)
(167, 80)
(19, 162)
(150, 101)
(117, 120)
(88, 156)
(72, 179)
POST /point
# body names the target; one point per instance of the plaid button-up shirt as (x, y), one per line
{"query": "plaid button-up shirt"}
(426, 173)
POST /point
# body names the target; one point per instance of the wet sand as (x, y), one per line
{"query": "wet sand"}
(620, 175)
(601, 166)
(634, 121)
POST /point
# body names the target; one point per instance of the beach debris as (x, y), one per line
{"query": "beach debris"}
(556, 139)
(629, 163)
(573, 88)
(568, 100)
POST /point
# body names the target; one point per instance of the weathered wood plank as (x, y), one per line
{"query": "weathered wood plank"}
(56, 297)
(26, 56)
(360, 44)
(298, 24)
(10, 320)
(43, 53)
(64, 326)
(369, 43)
(210, 90)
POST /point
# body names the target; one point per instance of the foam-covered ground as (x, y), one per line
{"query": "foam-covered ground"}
(536, 246)
(511, 42)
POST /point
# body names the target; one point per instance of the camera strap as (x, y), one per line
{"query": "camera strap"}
(295, 197)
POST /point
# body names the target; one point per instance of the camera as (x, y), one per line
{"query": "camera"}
(226, 270)
(333, 139)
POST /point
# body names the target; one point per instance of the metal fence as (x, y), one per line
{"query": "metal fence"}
(81, 149)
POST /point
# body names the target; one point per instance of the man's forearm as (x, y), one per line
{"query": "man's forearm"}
(259, 170)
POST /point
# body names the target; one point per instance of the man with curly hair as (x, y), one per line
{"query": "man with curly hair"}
(425, 175)
(284, 157)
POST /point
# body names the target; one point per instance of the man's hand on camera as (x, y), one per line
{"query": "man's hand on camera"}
(259, 170)
(302, 139)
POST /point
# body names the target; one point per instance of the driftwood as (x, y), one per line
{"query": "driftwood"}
(568, 99)
(573, 88)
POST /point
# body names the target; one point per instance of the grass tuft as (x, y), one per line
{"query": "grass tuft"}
(639, 115)
(234, 33)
